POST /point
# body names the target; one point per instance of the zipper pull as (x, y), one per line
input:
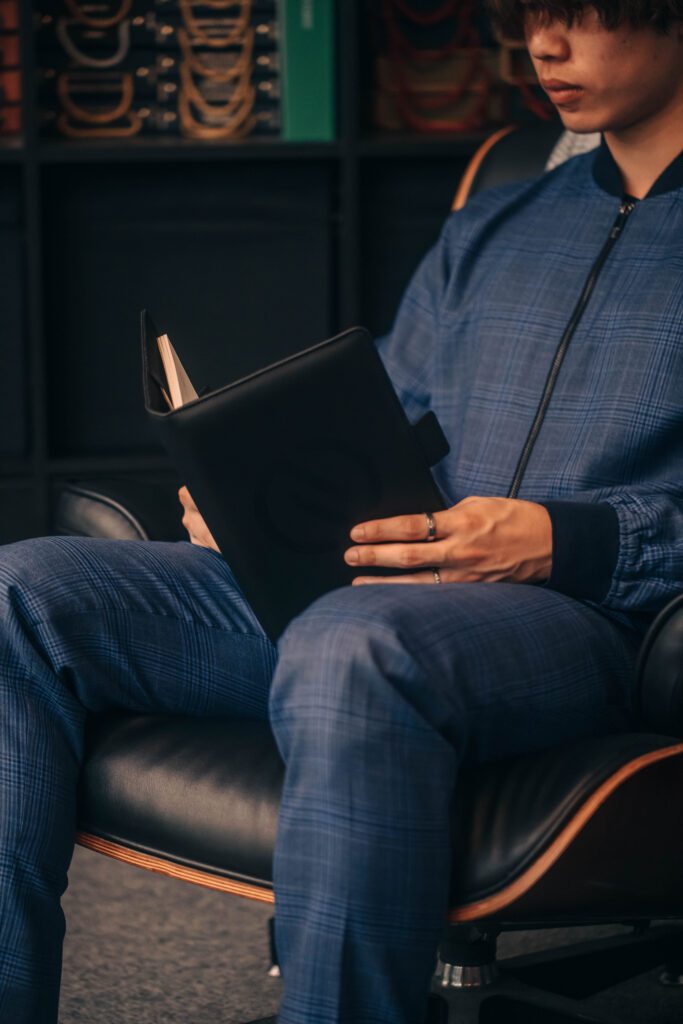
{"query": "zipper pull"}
(625, 210)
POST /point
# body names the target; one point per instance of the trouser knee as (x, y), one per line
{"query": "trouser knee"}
(348, 671)
(38, 580)
(37, 577)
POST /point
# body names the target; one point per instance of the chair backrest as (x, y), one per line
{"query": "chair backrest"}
(514, 154)
(660, 672)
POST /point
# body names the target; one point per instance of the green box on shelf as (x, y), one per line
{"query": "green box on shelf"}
(308, 56)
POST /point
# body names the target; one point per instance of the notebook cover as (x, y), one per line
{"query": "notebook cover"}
(282, 463)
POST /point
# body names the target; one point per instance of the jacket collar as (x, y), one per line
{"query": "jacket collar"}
(608, 176)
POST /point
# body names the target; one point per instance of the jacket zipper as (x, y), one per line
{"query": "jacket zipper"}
(625, 210)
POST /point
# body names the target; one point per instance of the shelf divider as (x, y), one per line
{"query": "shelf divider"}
(152, 150)
(34, 270)
(348, 281)
(83, 465)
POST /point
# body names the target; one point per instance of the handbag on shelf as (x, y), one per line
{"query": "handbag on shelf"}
(435, 76)
(216, 31)
(215, 72)
(97, 109)
(115, 44)
(221, 65)
(266, 8)
(202, 120)
(158, 29)
(10, 70)
(156, 76)
(216, 98)
(10, 86)
(204, 69)
(10, 120)
(429, 87)
(98, 14)
(218, 92)
(10, 50)
(9, 15)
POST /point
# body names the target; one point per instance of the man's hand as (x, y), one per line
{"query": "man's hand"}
(193, 522)
(478, 540)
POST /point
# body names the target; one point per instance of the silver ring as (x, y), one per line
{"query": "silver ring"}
(431, 528)
(437, 575)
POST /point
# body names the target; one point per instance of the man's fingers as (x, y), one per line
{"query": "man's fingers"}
(397, 556)
(186, 499)
(406, 528)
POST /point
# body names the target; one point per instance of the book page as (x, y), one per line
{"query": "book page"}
(179, 384)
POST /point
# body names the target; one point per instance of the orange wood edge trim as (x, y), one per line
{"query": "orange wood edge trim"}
(167, 867)
(474, 165)
(468, 912)
(521, 885)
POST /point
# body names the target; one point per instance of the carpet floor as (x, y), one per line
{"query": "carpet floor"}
(144, 949)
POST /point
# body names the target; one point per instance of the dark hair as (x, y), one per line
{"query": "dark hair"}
(508, 16)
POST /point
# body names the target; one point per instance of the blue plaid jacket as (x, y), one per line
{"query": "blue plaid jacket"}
(476, 334)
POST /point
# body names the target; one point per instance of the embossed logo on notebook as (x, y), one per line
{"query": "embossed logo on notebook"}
(310, 499)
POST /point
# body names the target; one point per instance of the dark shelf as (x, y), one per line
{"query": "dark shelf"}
(155, 149)
(162, 149)
(11, 150)
(399, 145)
(308, 237)
(15, 468)
(96, 464)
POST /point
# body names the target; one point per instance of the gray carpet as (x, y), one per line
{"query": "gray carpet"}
(144, 949)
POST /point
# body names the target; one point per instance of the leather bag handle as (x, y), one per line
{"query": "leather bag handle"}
(238, 125)
(199, 35)
(84, 60)
(101, 124)
(96, 22)
(242, 65)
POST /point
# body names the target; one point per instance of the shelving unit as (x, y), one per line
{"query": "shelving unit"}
(242, 251)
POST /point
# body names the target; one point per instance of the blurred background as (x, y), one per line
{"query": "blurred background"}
(259, 174)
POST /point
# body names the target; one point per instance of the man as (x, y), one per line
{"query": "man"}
(545, 329)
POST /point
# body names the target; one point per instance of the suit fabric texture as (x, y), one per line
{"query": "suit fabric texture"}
(376, 694)
(477, 332)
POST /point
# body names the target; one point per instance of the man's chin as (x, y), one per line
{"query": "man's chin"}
(581, 123)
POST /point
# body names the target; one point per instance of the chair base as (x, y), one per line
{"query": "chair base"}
(544, 987)
(524, 1008)
(471, 987)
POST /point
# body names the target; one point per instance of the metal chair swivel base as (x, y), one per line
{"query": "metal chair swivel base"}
(471, 987)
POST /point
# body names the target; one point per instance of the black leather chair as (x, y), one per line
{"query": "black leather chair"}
(587, 833)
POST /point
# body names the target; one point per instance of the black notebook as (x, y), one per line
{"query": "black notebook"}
(282, 463)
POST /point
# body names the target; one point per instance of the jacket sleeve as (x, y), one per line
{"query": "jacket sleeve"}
(624, 552)
(408, 350)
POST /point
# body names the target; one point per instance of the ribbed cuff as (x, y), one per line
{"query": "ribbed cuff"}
(585, 548)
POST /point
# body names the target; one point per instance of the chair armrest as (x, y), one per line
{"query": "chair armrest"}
(660, 671)
(121, 508)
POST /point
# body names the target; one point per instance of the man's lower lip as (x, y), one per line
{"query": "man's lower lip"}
(560, 97)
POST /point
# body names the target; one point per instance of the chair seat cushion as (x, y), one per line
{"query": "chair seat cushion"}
(204, 794)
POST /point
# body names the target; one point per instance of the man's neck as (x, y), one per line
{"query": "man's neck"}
(643, 151)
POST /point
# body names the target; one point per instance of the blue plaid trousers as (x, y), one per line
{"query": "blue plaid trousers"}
(375, 695)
